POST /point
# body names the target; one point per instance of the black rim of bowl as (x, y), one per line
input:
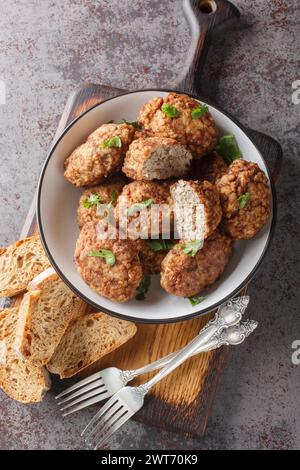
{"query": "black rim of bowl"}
(147, 320)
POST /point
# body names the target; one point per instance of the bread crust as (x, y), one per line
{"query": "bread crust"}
(19, 264)
(45, 312)
(88, 339)
(20, 380)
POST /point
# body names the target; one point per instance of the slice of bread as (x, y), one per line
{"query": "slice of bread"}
(20, 380)
(44, 315)
(19, 264)
(88, 339)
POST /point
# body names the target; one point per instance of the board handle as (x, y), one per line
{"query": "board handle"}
(203, 17)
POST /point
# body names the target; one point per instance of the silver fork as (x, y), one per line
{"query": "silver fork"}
(127, 401)
(102, 385)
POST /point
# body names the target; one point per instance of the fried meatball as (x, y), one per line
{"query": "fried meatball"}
(142, 209)
(197, 131)
(117, 282)
(142, 134)
(209, 168)
(185, 276)
(105, 193)
(156, 158)
(101, 156)
(245, 199)
(150, 260)
(197, 209)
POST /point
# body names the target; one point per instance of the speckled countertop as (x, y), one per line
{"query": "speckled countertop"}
(46, 49)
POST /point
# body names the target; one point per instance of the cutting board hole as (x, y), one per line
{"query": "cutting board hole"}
(207, 6)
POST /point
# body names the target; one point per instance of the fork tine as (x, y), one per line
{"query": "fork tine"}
(96, 384)
(84, 397)
(80, 384)
(102, 411)
(115, 426)
(103, 427)
(87, 403)
(103, 418)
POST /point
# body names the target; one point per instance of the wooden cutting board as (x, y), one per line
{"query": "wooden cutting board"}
(183, 400)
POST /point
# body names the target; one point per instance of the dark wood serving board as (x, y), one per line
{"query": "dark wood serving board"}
(183, 400)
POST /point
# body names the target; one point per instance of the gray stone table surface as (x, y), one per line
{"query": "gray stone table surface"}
(49, 47)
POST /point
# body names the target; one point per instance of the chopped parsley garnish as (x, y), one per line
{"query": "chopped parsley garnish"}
(244, 199)
(143, 287)
(191, 248)
(170, 111)
(92, 200)
(228, 148)
(139, 206)
(195, 300)
(106, 208)
(112, 142)
(134, 124)
(160, 245)
(199, 111)
(106, 254)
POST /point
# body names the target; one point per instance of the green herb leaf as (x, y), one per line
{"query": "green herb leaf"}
(169, 244)
(170, 111)
(113, 197)
(199, 111)
(228, 148)
(106, 254)
(143, 287)
(195, 300)
(191, 248)
(92, 200)
(160, 245)
(139, 207)
(134, 124)
(157, 245)
(112, 142)
(244, 199)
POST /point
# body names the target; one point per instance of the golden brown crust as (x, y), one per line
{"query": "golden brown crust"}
(19, 379)
(89, 338)
(150, 260)
(209, 168)
(200, 135)
(136, 193)
(91, 163)
(244, 177)
(142, 133)
(105, 192)
(185, 276)
(117, 282)
(19, 264)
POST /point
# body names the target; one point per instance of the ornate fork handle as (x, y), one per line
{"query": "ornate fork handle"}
(232, 310)
(232, 336)
(224, 319)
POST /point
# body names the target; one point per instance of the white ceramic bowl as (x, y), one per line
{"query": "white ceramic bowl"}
(56, 213)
